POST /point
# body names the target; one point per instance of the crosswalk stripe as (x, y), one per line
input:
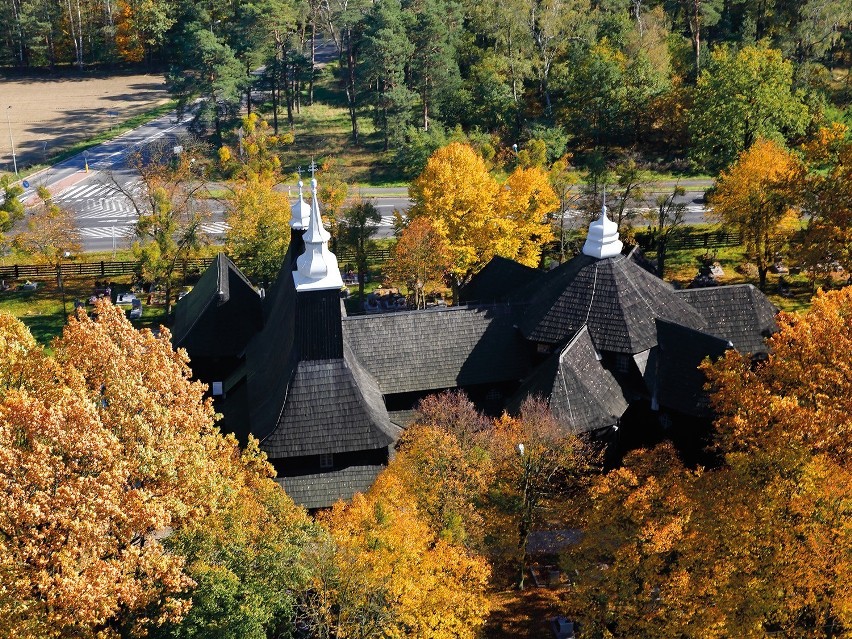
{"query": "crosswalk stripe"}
(107, 231)
(215, 228)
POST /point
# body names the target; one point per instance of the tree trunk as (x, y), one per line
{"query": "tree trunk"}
(426, 103)
(761, 273)
(696, 34)
(313, 62)
(248, 90)
(350, 89)
(80, 35)
(288, 96)
(274, 92)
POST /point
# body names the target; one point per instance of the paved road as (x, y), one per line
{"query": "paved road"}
(106, 219)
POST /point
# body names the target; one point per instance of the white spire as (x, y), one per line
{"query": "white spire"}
(316, 268)
(602, 240)
(300, 212)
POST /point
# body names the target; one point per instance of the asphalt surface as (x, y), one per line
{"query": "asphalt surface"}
(85, 184)
(106, 218)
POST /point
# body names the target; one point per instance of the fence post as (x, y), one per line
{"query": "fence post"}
(16, 271)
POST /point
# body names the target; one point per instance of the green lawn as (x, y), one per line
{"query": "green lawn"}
(324, 130)
(42, 310)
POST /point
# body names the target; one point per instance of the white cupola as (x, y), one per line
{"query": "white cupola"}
(602, 240)
(316, 268)
(300, 212)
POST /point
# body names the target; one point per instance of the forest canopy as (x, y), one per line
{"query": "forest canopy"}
(664, 78)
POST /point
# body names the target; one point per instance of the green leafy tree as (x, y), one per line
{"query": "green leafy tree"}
(554, 25)
(742, 96)
(359, 222)
(11, 209)
(595, 95)
(435, 71)
(208, 68)
(245, 559)
(386, 51)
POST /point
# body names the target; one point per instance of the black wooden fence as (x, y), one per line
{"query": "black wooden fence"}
(690, 239)
(88, 269)
(70, 269)
(375, 256)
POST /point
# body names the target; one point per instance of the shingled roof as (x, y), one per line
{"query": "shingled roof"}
(219, 315)
(322, 490)
(271, 357)
(332, 406)
(672, 373)
(615, 297)
(438, 348)
(740, 313)
(498, 280)
(582, 394)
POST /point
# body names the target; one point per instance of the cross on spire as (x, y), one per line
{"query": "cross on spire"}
(313, 168)
(299, 171)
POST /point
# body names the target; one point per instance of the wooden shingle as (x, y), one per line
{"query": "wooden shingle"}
(582, 394)
(438, 348)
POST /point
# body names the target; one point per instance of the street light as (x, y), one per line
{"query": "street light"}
(11, 140)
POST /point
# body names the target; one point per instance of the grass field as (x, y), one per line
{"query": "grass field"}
(47, 115)
(323, 129)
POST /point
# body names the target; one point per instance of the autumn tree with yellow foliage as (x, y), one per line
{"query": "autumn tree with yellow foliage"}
(754, 197)
(477, 216)
(385, 573)
(758, 545)
(824, 191)
(258, 215)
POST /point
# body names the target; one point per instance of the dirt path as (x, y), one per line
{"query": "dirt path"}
(46, 114)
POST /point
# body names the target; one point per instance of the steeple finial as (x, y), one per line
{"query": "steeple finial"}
(300, 212)
(316, 268)
(602, 240)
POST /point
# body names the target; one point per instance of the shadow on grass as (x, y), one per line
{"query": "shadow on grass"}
(522, 614)
(44, 327)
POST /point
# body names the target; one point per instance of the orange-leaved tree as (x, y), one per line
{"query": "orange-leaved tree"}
(419, 259)
(753, 197)
(105, 447)
(477, 216)
(443, 461)
(539, 467)
(824, 190)
(758, 545)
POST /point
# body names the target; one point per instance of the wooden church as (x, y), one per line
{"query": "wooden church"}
(612, 348)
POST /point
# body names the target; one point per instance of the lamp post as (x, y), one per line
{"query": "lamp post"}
(11, 140)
